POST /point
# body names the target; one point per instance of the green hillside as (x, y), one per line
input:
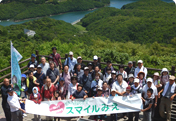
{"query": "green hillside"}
(21, 9)
(108, 32)
(140, 22)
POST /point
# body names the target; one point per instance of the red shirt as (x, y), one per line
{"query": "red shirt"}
(49, 92)
(56, 58)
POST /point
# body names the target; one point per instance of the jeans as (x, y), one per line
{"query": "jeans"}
(17, 115)
(7, 112)
(147, 116)
(114, 117)
(131, 116)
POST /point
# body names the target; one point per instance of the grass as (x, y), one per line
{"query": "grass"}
(81, 28)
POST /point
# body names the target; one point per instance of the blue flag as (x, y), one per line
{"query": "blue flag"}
(15, 70)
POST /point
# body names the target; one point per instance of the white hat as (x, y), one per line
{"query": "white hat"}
(130, 62)
(70, 53)
(140, 61)
(164, 70)
(99, 89)
(113, 72)
(31, 66)
(156, 74)
(86, 68)
(149, 79)
(95, 57)
(130, 75)
(136, 80)
(79, 57)
(113, 90)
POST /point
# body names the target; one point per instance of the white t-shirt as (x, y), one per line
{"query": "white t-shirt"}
(120, 88)
(71, 89)
(124, 74)
(155, 91)
(13, 102)
(106, 77)
(137, 70)
(94, 83)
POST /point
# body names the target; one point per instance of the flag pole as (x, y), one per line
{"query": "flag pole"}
(11, 59)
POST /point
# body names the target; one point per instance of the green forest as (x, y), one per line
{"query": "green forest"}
(22, 9)
(107, 33)
(140, 22)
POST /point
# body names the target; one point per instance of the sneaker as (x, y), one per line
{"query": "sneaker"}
(24, 115)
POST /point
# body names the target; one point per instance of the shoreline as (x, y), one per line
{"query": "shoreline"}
(51, 15)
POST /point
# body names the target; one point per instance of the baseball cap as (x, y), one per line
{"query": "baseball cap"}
(172, 78)
(86, 68)
(95, 57)
(33, 55)
(61, 79)
(23, 75)
(99, 89)
(90, 64)
(130, 76)
(113, 90)
(80, 85)
(113, 72)
(140, 61)
(10, 89)
(149, 79)
(128, 88)
(79, 57)
(136, 80)
(70, 53)
(130, 62)
(31, 66)
(39, 66)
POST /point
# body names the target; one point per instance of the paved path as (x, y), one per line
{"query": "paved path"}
(30, 117)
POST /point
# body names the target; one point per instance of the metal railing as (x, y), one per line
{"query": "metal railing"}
(172, 71)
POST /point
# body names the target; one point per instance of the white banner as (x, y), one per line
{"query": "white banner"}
(89, 106)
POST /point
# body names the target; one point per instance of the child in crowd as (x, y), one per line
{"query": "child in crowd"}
(56, 97)
(23, 91)
(130, 79)
(99, 94)
(36, 97)
(79, 93)
(113, 116)
(148, 102)
(141, 76)
(72, 86)
(156, 80)
(135, 89)
(121, 71)
(96, 83)
(62, 88)
(164, 76)
(107, 75)
(112, 79)
(128, 91)
(105, 90)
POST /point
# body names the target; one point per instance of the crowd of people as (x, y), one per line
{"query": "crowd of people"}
(52, 80)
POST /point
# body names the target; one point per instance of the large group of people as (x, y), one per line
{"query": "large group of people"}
(52, 80)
